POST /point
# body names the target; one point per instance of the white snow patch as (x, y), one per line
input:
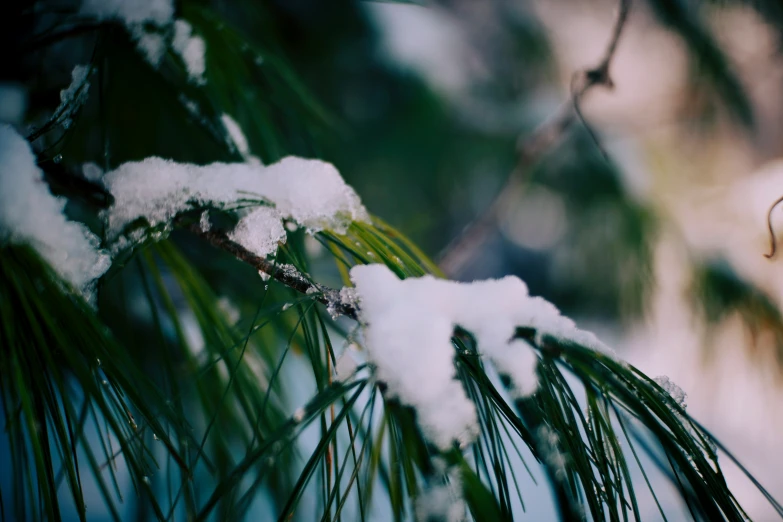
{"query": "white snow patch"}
(190, 105)
(348, 296)
(30, 214)
(139, 15)
(152, 45)
(310, 192)
(408, 325)
(191, 49)
(203, 221)
(91, 171)
(672, 389)
(73, 96)
(236, 135)
(260, 231)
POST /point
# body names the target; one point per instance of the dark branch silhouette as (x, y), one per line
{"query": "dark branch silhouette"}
(532, 147)
(773, 247)
(284, 274)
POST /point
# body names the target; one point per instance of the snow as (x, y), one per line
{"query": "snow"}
(131, 12)
(408, 325)
(91, 171)
(442, 501)
(191, 49)
(152, 45)
(190, 105)
(147, 22)
(672, 389)
(347, 297)
(203, 221)
(30, 214)
(73, 96)
(260, 231)
(311, 192)
(236, 135)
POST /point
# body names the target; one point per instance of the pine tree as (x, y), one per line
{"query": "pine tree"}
(163, 318)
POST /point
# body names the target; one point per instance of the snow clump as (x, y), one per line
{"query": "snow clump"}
(30, 214)
(309, 192)
(408, 326)
(151, 23)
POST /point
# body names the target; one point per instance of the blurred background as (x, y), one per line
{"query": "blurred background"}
(646, 222)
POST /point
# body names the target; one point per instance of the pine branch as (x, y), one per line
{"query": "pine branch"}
(532, 148)
(285, 274)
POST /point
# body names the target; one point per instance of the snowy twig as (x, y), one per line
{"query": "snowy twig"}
(286, 275)
(532, 147)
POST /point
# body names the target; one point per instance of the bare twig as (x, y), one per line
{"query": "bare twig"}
(601, 72)
(532, 147)
(599, 75)
(285, 274)
(773, 246)
(577, 103)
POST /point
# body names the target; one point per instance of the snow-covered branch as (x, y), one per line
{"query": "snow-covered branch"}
(285, 274)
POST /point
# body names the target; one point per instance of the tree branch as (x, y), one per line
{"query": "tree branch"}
(285, 274)
(773, 243)
(532, 147)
